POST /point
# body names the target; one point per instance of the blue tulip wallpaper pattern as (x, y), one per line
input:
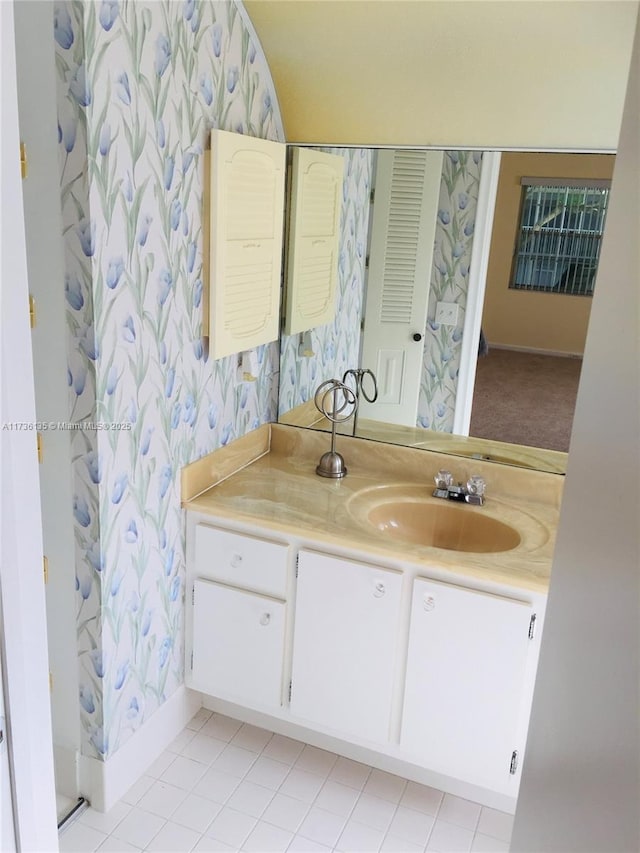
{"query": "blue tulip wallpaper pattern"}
(453, 246)
(140, 84)
(336, 345)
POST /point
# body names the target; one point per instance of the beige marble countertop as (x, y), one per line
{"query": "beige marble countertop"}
(268, 478)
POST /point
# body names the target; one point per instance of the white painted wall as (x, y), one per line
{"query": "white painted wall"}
(580, 786)
(43, 227)
(24, 618)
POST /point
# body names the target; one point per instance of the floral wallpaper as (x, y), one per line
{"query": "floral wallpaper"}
(449, 283)
(336, 346)
(140, 84)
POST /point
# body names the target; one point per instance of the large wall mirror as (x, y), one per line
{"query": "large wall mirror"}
(425, 262)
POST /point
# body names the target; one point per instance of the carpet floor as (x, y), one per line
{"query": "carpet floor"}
(525, 398)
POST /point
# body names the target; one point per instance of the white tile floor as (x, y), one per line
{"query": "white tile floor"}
(223, 785)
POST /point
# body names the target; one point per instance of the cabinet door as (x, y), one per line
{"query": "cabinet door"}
(344, 647)
(246, 228)
(465, 676)
(238, 644)
(314, 239)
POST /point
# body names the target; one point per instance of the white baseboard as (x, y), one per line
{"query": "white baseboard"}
(536, 351)
(67, 771)
(103, 783)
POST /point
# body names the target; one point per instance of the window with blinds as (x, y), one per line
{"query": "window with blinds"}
(559, 235)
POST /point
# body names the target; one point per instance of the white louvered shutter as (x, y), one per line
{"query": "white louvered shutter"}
(246, 230)
(314, 239)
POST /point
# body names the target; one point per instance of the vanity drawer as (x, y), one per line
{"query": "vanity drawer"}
(240, 560)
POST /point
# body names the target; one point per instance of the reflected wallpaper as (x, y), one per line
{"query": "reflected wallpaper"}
(449, 283)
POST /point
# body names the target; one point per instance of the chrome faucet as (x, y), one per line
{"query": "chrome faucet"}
(471, 493)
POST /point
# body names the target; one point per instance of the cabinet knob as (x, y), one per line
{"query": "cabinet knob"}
(236, 561)
(379, 590)
(265, 619)
(429, 602)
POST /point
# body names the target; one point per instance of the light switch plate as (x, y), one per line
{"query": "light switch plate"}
(447, 313)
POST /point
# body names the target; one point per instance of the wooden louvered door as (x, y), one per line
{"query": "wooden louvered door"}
(403, 230)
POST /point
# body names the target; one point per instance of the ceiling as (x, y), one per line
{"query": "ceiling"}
(485, 73)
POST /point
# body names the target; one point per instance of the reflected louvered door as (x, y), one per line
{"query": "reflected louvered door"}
(247, 200)
(403, 230)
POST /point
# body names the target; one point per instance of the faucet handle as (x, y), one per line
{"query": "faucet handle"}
(443, 479)
(476, 485)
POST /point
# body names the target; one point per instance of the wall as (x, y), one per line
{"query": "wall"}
(139, 87)
(336, 345)
(453, 245)
(580, 784)
(551, 322)
(526, 74)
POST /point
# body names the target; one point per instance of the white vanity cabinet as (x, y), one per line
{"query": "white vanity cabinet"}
(345, 645)
(466, 667)
(415, 671)
(238, 617)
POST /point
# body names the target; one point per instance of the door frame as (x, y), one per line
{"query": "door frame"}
(21, 568)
